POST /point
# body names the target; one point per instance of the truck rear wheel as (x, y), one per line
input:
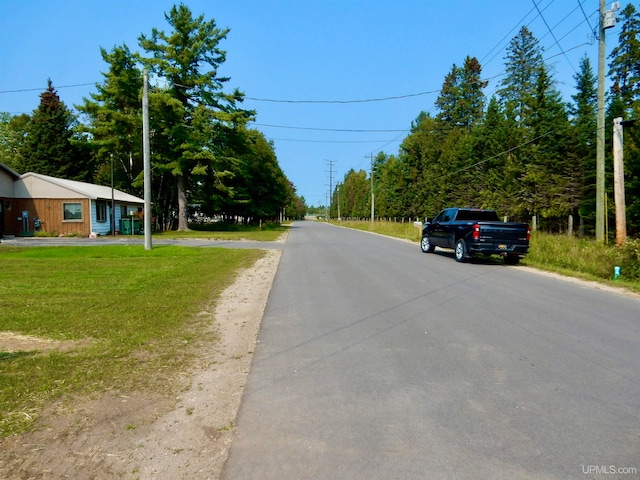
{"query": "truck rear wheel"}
(425, 244)
(461, 251)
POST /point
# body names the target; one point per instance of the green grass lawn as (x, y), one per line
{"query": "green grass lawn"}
(224, 231)
(132, 312)
(405, 230)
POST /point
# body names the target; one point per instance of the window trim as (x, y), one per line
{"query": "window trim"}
(101, 207)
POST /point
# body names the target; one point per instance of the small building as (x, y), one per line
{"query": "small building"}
(34, 202)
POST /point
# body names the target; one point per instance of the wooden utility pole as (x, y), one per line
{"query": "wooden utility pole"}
(372, 195)
(146, 158)
(600, 193)
(618, 182)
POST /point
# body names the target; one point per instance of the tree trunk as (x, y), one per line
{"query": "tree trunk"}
(182, 204)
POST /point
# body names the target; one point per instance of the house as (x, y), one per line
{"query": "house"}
(32, 202)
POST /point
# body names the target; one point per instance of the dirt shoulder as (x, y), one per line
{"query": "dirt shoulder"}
(145, 436)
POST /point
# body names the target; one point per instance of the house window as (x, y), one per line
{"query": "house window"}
(72, 212)
(101, 211)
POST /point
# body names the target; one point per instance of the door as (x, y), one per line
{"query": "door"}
(440, 231)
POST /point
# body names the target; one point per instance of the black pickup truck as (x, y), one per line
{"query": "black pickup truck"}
(471, 231)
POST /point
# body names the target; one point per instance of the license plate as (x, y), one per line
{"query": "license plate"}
(502, 247)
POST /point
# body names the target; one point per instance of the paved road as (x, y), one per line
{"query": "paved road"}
(376, 361)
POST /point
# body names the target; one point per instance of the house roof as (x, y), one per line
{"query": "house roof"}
(88, 190)
(9, 171)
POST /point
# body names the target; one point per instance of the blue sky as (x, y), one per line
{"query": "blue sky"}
(304, 50)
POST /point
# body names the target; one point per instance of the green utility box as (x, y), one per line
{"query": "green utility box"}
(126, 226)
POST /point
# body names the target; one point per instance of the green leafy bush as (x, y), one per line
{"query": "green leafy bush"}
(629, 259)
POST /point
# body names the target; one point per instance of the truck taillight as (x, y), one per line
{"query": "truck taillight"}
(476, 231)
(528, 233)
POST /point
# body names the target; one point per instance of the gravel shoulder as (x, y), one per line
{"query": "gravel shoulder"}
(150, 436)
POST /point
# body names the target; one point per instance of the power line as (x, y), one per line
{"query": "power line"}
(585, 15)
(503, 39)
(553, 34)
(329, 141)
(331, 129)
(368, 100)
(43, 89)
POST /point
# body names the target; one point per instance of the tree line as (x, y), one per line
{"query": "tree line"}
(524, 151)
(206, 162)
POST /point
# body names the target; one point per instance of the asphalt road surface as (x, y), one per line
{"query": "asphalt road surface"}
(376, 361)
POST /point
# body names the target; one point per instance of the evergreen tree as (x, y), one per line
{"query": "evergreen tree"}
(523, 62)
(297, 208)
(583, 135)
(388, 186)
(624, 69)
(461, 101)
(47, 147)
(262, 181)
(189, 58)
(423, 173)
(355, 195)
(545, 179)
(495, 141)
(114, 121)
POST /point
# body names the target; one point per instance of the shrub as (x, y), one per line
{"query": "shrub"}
(629, 259)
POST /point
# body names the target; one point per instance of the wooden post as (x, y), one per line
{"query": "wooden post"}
(618, 182)
(570, 227)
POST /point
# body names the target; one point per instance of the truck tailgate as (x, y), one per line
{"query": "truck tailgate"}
(503, 232)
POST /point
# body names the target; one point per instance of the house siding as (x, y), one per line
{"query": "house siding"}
(101, 228)
(50, 213)
(43, 198)
(104, 228)
(51, 216)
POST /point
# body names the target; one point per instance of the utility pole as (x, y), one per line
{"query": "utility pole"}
(113, 202)
(331, 162)
(600, 213)
(607, 20)
(373, 200)
(146, 157)
(618, 181)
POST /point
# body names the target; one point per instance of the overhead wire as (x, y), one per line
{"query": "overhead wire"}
(41, 89)
(553, 35)
(326, 141)
(367, 100)
(387, 98)
(330, 129)
(539, 14)
(585, 16)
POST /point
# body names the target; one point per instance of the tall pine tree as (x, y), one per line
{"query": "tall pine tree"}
(47, 148)
(115, 120)
(583, 135)
(523, 62)
(188, 58)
